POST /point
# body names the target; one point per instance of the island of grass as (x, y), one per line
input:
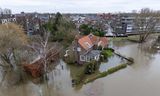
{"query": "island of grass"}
(108, 72)
(88, 72)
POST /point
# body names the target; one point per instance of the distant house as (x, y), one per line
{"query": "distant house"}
(32, 22)
(86, 48)
(4, 19)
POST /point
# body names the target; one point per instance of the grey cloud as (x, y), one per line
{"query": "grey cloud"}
(78, 6)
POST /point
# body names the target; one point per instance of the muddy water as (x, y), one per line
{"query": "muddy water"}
(140, 79)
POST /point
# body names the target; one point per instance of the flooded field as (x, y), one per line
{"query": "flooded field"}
(112, 62)
(140, 79)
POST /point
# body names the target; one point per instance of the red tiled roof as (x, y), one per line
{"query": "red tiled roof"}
(90, 40)
(104, 41)
(84, 41)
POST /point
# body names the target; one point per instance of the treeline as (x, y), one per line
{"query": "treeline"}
(61, 29)
(86, 29)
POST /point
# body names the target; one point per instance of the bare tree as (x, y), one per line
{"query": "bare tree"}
(46, 53)
(145, 22)
(12, 38)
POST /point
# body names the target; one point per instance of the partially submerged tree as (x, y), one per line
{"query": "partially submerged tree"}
(145, 23)
(46, 54)
(12, 38)
(16, 51)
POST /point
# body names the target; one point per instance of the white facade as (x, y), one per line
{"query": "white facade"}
(86, 58)
(129, 28)
(8, 20)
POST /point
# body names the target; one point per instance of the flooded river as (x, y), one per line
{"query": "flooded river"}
(140, 79)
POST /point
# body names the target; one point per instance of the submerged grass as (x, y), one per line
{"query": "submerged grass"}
(114, 69)
(104, 74)
(77, 72)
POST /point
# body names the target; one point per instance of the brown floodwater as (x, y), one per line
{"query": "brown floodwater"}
(140, 79)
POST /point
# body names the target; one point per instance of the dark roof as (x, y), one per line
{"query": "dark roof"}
(2, 16)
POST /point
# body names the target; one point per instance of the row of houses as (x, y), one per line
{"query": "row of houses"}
(31, 22)
(7, 18)
(97, 21)
(119, 23)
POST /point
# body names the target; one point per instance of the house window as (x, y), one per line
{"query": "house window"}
(90, 36)
(14, 19)
(82, 58)
(93, 57)
(88, 59)
(78, 49)
(74, 49)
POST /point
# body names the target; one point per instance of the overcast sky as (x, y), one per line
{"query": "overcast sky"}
(78, 6)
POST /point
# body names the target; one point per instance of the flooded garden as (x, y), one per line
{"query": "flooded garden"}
(139, 79)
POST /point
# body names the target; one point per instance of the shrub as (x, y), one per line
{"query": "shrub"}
(96, 33)
(106, 53)
(86, 29)
(111, 49)
(91, 67)
(61, 29)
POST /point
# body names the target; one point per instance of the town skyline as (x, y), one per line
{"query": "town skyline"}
(78, 6)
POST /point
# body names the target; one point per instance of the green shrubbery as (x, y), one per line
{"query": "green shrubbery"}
(91, 67)
(111, 49)
(82, 71)
(107, 53)
(86, 29)
(62, 30)
(79, 78)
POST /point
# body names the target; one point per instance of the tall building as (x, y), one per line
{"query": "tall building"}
(7, 11)
(124, 23)
(1, 10)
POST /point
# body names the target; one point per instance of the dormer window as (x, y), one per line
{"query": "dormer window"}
(90, 36)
